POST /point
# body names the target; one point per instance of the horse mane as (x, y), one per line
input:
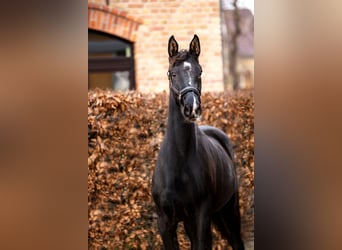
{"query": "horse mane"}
(181, 56)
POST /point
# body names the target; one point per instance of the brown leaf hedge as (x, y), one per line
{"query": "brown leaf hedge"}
(124, 134)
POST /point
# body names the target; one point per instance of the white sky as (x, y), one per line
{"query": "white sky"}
(249, 4)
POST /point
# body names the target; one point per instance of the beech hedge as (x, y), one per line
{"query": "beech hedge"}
(124, 134)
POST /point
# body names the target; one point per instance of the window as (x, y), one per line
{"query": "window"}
(110, 62)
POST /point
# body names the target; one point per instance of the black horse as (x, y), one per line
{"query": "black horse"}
(195, 179)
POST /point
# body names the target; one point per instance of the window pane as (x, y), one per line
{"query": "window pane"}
(104, 45)
(109, 80)
(110, 62)
(102, 80)
(121, 80)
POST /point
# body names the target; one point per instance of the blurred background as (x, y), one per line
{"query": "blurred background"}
(44, 94)
(127, 42)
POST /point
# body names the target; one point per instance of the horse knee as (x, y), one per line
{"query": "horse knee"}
(167, 204)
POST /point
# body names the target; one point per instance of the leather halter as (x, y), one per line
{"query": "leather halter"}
(180, 93)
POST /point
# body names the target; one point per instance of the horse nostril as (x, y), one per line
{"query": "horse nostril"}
(187, 110)
(198, 111)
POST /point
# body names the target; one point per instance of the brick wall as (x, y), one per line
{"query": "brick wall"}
(112, 21)
(152, 22)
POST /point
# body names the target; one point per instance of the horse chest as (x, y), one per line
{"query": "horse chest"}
(182, 185)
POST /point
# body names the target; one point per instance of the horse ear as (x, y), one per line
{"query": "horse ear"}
(195, 47)
(173, 46)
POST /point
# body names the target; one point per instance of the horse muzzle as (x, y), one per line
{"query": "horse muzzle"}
(191, 107)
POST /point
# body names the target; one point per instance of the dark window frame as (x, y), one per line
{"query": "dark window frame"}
(112, 64)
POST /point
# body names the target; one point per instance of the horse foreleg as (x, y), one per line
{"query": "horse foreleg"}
(204, 232)
(191, 230)
(228, 222)
(168, 231)
(198, 228)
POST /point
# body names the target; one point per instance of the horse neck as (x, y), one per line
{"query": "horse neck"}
(181, 134)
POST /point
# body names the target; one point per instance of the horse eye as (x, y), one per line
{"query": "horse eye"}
(173, 74)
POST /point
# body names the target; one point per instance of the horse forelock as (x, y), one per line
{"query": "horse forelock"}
(181, 56)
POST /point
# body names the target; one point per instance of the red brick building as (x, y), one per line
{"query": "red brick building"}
(128, 41)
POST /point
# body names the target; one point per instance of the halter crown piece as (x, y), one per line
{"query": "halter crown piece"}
(180, 93)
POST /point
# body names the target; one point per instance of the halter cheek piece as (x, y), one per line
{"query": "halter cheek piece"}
(180, 93)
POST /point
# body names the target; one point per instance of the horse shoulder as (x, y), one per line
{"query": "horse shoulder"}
(220, 166)
(220, 137)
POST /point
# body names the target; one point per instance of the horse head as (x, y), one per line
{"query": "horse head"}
(185, 78)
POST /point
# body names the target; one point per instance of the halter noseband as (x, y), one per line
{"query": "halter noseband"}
(180, 93)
